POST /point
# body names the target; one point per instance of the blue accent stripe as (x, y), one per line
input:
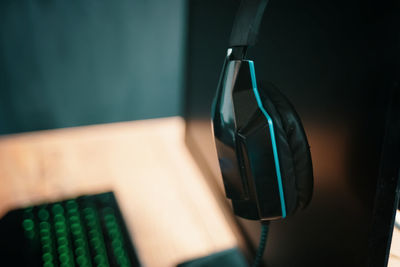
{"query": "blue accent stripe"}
(272, 133)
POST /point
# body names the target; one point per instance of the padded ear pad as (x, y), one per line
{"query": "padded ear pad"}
(293, 148)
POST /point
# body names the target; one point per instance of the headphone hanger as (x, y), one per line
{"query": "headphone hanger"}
(245, 27)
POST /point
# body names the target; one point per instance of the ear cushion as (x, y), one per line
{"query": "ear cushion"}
(293, 148)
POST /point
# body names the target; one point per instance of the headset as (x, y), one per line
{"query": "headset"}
(262, 148)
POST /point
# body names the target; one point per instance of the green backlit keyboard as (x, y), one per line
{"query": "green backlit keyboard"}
(86, 231)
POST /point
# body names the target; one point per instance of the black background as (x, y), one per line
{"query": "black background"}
(337, 61)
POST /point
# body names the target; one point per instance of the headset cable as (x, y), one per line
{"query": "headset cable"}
(261, 245)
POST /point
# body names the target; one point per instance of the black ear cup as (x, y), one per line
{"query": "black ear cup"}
(293, 148)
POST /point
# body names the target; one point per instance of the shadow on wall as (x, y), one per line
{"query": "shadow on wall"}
(70, 63)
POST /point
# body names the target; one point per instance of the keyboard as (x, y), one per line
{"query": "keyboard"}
(85, 231)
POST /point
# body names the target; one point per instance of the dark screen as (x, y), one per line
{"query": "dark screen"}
(337, 62)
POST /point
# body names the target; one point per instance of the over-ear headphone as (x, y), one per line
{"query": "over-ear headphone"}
(262, 147)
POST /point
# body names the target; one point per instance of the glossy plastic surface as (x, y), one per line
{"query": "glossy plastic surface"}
(244, 139)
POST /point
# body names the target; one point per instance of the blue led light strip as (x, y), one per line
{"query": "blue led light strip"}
(272, 133)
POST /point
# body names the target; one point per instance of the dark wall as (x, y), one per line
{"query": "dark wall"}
(70, 63)
(337, 61)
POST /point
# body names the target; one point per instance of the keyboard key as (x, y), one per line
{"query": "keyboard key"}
(83, 232)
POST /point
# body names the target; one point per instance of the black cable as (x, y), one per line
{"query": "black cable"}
(261, 245)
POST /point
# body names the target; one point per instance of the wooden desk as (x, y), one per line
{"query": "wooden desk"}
(394, 259)
(170, 211)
